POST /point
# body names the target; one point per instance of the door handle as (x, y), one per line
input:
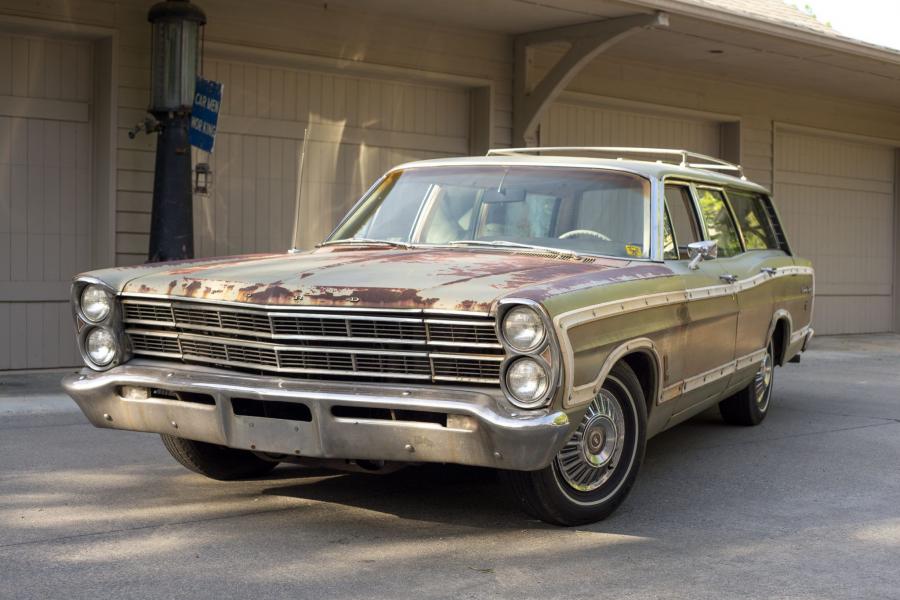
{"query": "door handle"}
(768, 270)
(728, 278)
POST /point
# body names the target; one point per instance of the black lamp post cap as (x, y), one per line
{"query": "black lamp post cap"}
(176, 10)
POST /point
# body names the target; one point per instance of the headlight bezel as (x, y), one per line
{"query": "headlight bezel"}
(112, 323)
(546, 353)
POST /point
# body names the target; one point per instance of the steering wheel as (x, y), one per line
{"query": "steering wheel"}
(587, 232)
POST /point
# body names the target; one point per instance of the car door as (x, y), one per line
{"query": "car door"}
(760, 290)
(710, 317)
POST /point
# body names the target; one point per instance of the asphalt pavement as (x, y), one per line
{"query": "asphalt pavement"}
(807, 505)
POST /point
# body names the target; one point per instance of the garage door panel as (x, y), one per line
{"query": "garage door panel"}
(836, 198)
(582, 125)
(45, 196)
(852, 314)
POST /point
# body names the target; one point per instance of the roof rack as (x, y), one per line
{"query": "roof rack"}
(683, 158)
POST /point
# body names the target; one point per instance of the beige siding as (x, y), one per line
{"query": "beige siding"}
(45, 196)
(358, 128)
(837, 201)
(261, 95)
(579, 125)
(757, 107)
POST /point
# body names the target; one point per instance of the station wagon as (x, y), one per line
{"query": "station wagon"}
(539, 311)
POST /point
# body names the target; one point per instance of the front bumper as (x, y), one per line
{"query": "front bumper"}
(476, 429)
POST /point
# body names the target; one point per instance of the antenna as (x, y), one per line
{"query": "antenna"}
(302, 160)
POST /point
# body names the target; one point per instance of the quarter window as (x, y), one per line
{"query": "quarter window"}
(719, 224)
(753, 220)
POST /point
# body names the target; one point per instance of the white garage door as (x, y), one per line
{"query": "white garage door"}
(582, 125)
(45, 199)
(837, 200)
(358, 128)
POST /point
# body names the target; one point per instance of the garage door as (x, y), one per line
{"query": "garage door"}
(358, 128)
(45, 199)
(583, 125)
(837, 200)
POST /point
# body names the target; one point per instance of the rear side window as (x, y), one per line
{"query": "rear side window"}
(753, 220)
(719, 224)
(681, 226)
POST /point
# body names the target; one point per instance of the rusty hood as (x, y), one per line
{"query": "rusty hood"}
(463, 279)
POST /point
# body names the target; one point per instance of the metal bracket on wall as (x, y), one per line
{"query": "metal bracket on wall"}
(586, 41)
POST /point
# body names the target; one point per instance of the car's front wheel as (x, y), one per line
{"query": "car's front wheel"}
(596, 468)
(216, 462)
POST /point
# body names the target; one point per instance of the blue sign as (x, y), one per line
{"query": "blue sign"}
(205, 113)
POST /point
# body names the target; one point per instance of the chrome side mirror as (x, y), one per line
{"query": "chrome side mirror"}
(705, 250)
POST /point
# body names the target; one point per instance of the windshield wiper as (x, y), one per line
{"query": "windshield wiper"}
(508, 244)
(365, 241)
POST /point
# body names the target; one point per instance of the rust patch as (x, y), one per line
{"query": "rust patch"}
(270, 294)
(394, 297)
(191, 289)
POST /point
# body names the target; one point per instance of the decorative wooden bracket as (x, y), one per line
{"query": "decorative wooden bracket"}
(586, 42)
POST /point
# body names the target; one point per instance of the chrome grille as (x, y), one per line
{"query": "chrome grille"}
(403, 345)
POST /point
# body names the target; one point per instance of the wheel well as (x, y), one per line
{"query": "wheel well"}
(645, 368)
(779, 337)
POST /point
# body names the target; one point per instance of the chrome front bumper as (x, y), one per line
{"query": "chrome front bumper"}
(477, 430)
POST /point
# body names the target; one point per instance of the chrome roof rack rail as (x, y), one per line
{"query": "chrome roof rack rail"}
(682, 158)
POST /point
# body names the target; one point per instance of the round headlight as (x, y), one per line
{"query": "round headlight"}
(101, 347)
(527, 381)
(95, 303)
(523, 329)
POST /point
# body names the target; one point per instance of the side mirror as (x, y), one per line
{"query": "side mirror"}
(705, 250)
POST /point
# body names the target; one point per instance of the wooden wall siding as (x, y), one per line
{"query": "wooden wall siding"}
(578, 125)
(45, 200)
(837, 201)
(756, 106)
(309, 30)
(358, 129)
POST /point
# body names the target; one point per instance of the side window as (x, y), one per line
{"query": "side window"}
(681, 223)
(719, 224)
(753, 220)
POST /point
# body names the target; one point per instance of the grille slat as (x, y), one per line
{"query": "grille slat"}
(358, 344)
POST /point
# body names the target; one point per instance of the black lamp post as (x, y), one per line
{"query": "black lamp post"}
(173, 71)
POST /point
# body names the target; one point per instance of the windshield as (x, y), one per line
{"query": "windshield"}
(572, 209)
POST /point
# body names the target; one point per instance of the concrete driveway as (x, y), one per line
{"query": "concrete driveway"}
(805, 506)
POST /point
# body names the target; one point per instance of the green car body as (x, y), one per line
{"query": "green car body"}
(693, 332)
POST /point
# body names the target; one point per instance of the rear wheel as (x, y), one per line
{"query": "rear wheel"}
(596, 468)
(216, 462)
(750, 405)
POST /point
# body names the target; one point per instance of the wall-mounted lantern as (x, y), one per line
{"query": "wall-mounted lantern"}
(175, 61)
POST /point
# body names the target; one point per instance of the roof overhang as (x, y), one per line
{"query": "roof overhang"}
(702, 39)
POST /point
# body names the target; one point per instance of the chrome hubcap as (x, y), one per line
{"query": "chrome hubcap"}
(589, 458)
(762, 381)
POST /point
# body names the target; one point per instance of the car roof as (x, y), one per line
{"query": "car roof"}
(646, 168)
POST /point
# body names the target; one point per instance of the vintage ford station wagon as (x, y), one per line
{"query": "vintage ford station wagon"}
(538, 311)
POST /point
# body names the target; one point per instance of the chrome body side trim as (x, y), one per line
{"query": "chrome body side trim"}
(586, 392)
(567, 320)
